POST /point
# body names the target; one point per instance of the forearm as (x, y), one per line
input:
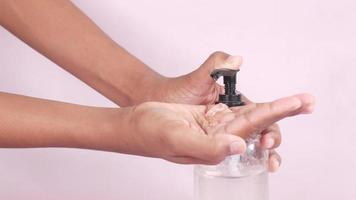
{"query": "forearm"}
(31, 122)
(61, 32)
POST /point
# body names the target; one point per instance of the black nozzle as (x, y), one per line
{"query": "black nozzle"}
(230, 98)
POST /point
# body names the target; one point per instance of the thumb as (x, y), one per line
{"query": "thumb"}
(212, 149)
(218, 60)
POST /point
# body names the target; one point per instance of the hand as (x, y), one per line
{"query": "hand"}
(203, 134)
(199, 88)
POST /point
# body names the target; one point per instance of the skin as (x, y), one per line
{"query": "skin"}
(62, 33)
(181, 133)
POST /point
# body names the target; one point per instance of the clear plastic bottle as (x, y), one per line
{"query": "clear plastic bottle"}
(238, 177)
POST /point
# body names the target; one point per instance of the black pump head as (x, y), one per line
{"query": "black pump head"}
(230, 98)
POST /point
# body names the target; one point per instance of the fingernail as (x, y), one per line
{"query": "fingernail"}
(274, 165)
(308, 102)
(235, 148)
(309, 109)
(269, 142)
(234, 60)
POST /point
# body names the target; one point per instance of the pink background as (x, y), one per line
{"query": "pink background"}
(288, 47)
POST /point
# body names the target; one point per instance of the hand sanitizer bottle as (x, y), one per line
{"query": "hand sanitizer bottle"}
(238, 177)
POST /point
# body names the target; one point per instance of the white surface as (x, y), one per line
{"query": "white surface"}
(288, 46)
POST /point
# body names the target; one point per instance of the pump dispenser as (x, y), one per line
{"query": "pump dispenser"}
(230, 98)
(238, 177)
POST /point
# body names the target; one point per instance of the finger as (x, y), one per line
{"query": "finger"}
(210, 148)
(308, 103)
(185, 160)
(271, 137)
(218, 60)
(274, 161)
(260, 116)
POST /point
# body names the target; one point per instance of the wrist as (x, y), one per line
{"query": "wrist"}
(115, 130)
(141, 86)
(101, 129)
(152, 88)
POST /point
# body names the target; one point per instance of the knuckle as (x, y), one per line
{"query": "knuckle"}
(269, 106)
(278, 140)
(274, 127)
(276, 134)
(250, 124)
(217, 55)
(265, 107)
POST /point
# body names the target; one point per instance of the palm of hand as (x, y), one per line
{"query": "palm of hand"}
(207, 134)
(192, 134)
(180, 132)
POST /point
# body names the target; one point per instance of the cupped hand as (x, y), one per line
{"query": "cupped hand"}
(199, 134)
